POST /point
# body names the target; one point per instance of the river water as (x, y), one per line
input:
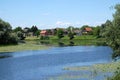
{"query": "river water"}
(43, 64)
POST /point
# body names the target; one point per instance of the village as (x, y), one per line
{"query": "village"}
(86, 30)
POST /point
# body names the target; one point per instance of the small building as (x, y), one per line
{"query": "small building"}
(88, 29)
(78, 32)
(43, 33)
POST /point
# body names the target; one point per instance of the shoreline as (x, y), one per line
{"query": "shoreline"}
(22, 47)
(98, 71)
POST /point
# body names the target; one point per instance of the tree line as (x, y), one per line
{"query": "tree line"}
(110, 31)
(13, 36)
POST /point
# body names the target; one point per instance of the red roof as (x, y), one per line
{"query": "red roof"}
(88, 29)
(43, 32)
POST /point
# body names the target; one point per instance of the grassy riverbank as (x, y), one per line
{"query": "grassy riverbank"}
(106, 67)
(103, 71)
(34, 43)
(31, 45)
(77, 41)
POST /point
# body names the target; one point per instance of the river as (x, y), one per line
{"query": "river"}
(44, 64)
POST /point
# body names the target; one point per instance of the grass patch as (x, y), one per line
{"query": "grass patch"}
(32, 38)
(75, 37)
(106, 67)
(30, 45)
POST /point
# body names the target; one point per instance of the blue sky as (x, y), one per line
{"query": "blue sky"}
(56, 13)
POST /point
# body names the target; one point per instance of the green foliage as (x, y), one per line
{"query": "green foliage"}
(70, 28)
(60, 33)
(18, 29)
(20, 35)
(71, 35)
(84, 26)
(37, 33)
(5, 26)
(96, 31)
(34, 29)
(44, 38)
(112, 32)
(6, 36)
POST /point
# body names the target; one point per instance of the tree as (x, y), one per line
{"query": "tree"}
(34, 29)
(70, 28)
(112, 32)
(20, 35)
(96, 31)
(6, 36)
(71, 35)
(116, 31)
(18, 29)
(60, 33)
(37, 33)
(83, 27)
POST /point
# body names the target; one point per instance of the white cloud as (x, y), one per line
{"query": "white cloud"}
(61, 23)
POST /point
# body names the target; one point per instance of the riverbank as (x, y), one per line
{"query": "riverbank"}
(34, 43)
(103, 67)
(29, 45)
(92, 72)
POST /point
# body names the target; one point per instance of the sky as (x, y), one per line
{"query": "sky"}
(47, 14)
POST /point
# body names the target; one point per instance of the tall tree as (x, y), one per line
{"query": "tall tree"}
(6, 36)
(112, 32)
(34, 29)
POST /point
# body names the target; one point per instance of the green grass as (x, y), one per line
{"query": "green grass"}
(32, 38)
(75, 37)
(106, 67)
(78, 40)
(31, 45)
(85, 37)
(98, 69)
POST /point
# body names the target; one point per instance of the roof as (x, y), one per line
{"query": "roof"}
(88, 29)
(42, 32)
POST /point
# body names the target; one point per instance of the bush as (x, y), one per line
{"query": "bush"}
(13, 39)
(20, 35)
(6, 36)
(71, 35)
(44, 38)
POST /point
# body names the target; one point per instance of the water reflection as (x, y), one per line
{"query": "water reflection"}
(71, 43)
(45, 42)
(63, 43)
(4, 55)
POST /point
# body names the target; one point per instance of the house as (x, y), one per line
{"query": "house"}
(78, 32)
(27, 32)
(88, 29)
(43, 33)
(30, 34)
